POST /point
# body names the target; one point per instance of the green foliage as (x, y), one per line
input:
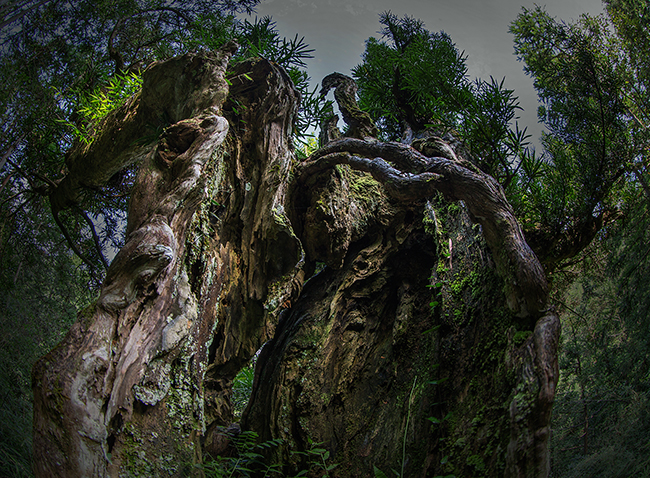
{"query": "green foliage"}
(97, 105)
(601, 417)
(632, 24)
(65, 68)
(378, 472)
(412, 80)
(260, 38)
(487, 128)
(584, 82)
(101, 102)
(41, 290)
(311, 111)
(309, 146)
(242, 387)
(316, 459)
(248, 460)
(423, 73)
(252, 459)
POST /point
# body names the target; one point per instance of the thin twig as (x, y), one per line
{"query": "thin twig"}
(73, 245)
(98, 246)
(28, 177)
(11, 198)
(11, 150)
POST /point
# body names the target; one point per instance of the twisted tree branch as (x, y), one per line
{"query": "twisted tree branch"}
(411, 175)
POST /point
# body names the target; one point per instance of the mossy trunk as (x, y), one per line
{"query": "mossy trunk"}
(145, 374)
(407, 358)
(414, 347)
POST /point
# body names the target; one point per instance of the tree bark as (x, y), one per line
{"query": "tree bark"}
(209, 258)
(224, 232)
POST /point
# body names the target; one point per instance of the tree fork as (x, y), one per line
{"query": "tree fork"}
(211, 261)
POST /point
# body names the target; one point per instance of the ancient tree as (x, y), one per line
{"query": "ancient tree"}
(428, 329)
(393, 280)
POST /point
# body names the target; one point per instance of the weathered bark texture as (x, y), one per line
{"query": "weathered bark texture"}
(423, 345)
(209, 258)
(111, 378)
(413, 325)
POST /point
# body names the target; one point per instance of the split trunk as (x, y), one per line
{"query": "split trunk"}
(403, 318)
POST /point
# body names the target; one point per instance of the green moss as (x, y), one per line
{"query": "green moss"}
(87, 314)
(309, 338)
(135, 463)
(364, 188)
(470, 280)
(478, 431)
(458, 315)
(431, 224)
(477, 462)
(168, 447)
(521, 336)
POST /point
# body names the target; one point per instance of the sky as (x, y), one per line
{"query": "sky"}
(338, 29)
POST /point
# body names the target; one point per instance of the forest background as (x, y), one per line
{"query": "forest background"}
(593, 163)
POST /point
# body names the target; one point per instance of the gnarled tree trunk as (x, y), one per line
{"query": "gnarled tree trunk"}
(424, 344)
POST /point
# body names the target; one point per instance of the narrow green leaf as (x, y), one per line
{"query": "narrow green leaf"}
(432, 329)
(378, 472)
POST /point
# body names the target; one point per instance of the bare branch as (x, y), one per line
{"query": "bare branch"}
(73, 245)
(29, 178)
(93, 231)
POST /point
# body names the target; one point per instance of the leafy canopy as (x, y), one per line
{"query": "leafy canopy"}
(592, 76)
(412, 80)
(583, 79)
